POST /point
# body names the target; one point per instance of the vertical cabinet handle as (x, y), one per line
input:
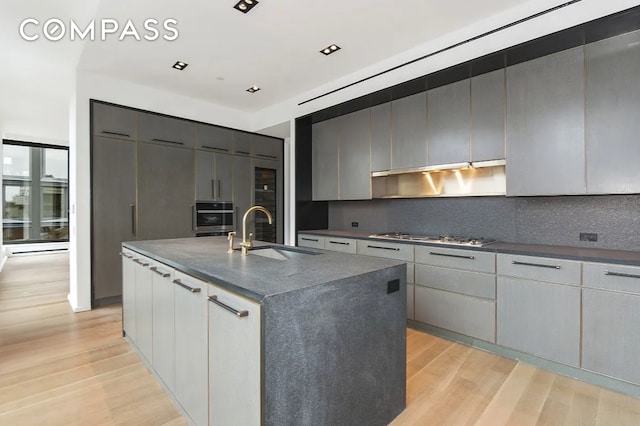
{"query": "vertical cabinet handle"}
(213, 189)
(240, 314)
(219, 190)
(133, 219)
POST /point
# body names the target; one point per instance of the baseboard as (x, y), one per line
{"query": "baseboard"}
(555, 367)
(36, 249)
(106, 301)
(3, 258)
(77, 309)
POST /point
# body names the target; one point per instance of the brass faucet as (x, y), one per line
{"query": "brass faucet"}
(247, 244)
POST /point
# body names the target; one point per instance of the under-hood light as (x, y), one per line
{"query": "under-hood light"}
(441, 168)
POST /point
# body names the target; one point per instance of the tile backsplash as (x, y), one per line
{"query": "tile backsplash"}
(532, 220)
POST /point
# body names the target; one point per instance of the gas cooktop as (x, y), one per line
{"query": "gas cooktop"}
(453, 240)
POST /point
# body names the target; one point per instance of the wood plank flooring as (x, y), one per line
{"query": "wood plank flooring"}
(62, 368)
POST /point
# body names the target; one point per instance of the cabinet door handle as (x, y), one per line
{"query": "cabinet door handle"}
(128, 256)
(340, 242)
(538, 265)
(384, 248)
(133, 219)
(213, 189)
(309, 239)
(243, 152)
(107, 132)
(240, 314)
(167, 141)
(457, 256)
(620, 274)
(268, 156)
(160, 272)
(139, 262)
(186, 287)
(215, 148)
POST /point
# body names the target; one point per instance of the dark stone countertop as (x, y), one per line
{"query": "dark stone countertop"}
(255, 277)
(621, 257)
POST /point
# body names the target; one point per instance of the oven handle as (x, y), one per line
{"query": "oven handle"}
(215, 211)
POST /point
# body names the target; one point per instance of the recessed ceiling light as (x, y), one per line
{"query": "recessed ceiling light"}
(245, 6)
(253, 89)
(330, 49)
(180, 65)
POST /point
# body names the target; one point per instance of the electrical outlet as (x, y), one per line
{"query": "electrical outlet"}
(585, 236)
(354, 224)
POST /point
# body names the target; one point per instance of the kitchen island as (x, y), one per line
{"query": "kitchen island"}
(281, 336)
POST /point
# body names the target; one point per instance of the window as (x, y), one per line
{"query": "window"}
(35, 193)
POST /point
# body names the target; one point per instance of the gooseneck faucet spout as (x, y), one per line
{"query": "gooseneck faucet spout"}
(247, 243)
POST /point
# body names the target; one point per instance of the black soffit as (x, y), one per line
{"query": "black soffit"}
(599, 29)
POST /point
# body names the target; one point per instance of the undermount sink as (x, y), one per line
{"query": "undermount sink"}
(280, 253)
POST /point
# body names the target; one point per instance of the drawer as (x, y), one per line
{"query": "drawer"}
(214, 138)
(540, 268)
(462, 314)
(469, 260)
(612, 277)
(345, 245)
(385, 250)
(189, 283)
(166, 130)
(464, 282)
(162, 270)
(311, 241)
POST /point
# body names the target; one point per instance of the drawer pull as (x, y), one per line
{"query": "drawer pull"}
(539, 265)
(243, 152)
(340, 242)
(160, 272)
(107, 132)
(167, 141)
(139, 262)
(620, 274)
(268, 156)
(215, 148)
(309, 239)
(240, 314)
(384, 248)
(186, 287)
(128, 256)
(458, 256)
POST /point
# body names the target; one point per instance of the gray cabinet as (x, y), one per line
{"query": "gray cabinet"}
(242, 142)
(354, 156)
(325, 160)
(242, 190)
(545, 125)
(166, 130)
(214, 138)
(311, 241)
(113, 213)
(381, 137)
(214, 176)
(613, 109)
(114, 121)
(165, 191)
(539, 318)
(267, 148)
(448, 123)
(409, 132)
(488, 116)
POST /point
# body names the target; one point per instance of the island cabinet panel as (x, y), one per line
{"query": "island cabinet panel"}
(613, 108)
(539, 318)
(311, 241)
(610, 318)
(191, 351)
(381, 137)
(448, 123)
(325, 160)
(234, 359)
(163, 304)
(129, 294)
(144, 307)
(214, 138)
(488, 115)
(165, 191)
(112, 121)
(355, 156)
(409, 132)
(166, 130)
(545, 125)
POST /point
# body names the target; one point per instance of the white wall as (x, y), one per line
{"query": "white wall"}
(99, 87)
(3, 252)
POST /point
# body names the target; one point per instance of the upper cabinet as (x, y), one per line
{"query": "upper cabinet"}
(409, 132)
(545, 125)
(325, 160)
(488, 115)
(613, 115)
(448, 123)
(354, 156)
(381, 137)
(214, 138)
(267, 148)
(242, 143)
(114, 122)
(166, 130)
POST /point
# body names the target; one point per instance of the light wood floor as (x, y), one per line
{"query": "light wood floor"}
(61, 368)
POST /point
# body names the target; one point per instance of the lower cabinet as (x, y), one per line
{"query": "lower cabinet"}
(234, 359)
(311, 241)
(164, 324)
(143, 309)
(129, 294)
(191, 351)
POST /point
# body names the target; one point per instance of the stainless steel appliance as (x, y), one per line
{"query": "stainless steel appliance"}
(212, 217)
(453, 240)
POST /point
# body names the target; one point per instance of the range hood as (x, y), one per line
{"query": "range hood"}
(468, 179)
